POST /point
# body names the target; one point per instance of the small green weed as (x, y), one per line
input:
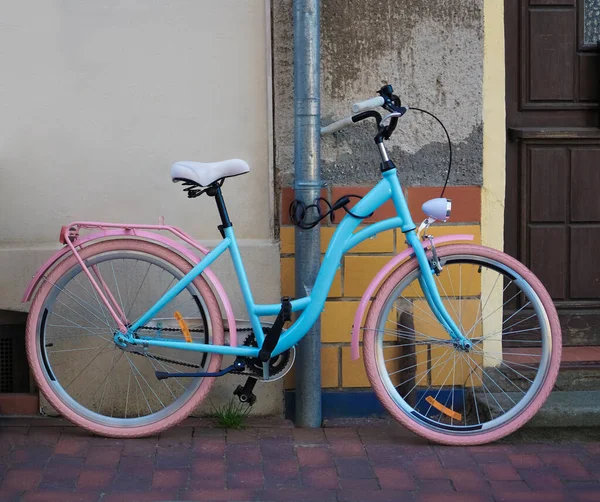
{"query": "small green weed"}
(231, 415)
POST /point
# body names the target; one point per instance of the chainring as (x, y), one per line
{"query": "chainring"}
(277, 364)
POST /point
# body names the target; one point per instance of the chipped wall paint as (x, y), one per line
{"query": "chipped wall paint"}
(430, 50)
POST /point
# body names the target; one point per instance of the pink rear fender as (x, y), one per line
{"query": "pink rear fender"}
(154, 237)
(381, 275)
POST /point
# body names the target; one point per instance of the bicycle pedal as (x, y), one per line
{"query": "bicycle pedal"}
(245, 394)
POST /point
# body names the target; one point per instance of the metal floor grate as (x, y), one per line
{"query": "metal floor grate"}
(6, 364)
(14, 370)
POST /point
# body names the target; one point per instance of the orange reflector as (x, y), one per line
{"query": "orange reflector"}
(184, 327)
(446, 411)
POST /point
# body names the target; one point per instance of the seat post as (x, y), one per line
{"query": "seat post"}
(215, 191)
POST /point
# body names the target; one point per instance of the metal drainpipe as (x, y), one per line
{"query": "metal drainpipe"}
(307, 186)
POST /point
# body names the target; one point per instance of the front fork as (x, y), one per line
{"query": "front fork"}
(432, 294)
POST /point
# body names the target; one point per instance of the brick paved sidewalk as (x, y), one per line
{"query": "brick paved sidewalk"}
(48, 460)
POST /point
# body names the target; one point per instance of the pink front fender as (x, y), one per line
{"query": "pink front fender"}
(381, 275)
(160, 239)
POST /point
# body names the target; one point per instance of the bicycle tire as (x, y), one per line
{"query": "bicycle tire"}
(69, 407)
(452, 428)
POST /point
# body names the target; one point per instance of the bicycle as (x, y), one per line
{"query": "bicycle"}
(126, 334)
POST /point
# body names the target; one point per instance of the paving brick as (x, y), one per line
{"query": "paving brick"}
(207, 483)
(103, 457)
(359, 484)
(467, 480)
(313, 456)
(44, 435)
(136, 465)
(281, 469)
(308, 436)
(427, 468)
(207, 468)
(271, 449)
(537, 496)
(242, 436)
(567, 467)
(349, 448)
(218, 495)
(396, 478)
(279, 433)
(63, 496)
(501, 472)
(7, 495)
(454, 497)
(245, 479)
(209, 447)
(176, 437)
(59, 478)
(357, 468)
(21, 479)
(525, 460)
(154, 495)
(140, 447)
(539, 479)
(164, 480)
(132, 482)
(320, 477)
(65, 460)
(72, 446)
(31, 456)
(95, 479)
(452, 457)
(173, 459)
(356, 495)
(297, 494)
(434, 486)
(508, 486)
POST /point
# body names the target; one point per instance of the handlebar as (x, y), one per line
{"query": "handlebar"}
(368, 104)
(364, 109)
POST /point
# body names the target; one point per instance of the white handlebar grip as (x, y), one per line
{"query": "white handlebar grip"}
(367, 104)
(336, 126)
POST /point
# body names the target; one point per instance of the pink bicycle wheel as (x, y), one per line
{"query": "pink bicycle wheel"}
(443, 390)
(85, 376)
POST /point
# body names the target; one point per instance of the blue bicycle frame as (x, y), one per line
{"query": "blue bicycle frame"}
(312, 305)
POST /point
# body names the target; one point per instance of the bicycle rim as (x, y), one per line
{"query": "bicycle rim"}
(92, 376)
(432, 381)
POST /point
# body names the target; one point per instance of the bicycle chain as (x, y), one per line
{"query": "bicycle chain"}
(181, 363)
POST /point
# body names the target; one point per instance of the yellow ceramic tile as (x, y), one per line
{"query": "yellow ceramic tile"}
(329, 369)
(406, 365)
(454, 280)
(336, 321)
(449, 367)
(287, 239)
(353, 372)
(326, 233)
(288, 281)
(359, 271)
(465, 313)
(380, 243)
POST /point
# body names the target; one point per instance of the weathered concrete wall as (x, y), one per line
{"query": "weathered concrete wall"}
(431, 51)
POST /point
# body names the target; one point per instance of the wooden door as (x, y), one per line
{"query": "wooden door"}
(552, 214)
